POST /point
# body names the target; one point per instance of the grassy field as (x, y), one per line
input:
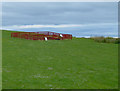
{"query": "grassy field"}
(66, 64)
(0, 60)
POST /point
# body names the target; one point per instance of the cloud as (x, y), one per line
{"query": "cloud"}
(50, 26)
(29, 13)
(77, 18)
(60, 1)
(40, 26)
(78, 30)
(58, 26)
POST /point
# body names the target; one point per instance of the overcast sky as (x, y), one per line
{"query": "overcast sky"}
(78, 18)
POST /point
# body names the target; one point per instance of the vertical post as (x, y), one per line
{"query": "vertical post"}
(48, 33)
(11, 35)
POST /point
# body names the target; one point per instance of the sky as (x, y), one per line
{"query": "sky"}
(81, 19)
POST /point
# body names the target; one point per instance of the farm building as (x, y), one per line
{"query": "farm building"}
(43, 35)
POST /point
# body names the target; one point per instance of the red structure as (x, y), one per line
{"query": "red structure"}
(41, 35)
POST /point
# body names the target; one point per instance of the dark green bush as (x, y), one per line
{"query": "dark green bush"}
(102, 39)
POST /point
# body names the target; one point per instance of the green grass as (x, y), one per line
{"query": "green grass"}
(66, 64)
(0, 60)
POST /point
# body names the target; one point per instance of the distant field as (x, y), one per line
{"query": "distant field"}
(67, 64)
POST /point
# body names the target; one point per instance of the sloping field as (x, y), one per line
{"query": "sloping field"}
(68, 64)
(0, 59)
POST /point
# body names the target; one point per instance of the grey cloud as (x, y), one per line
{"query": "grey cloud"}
(59, 13)
(28, 13)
